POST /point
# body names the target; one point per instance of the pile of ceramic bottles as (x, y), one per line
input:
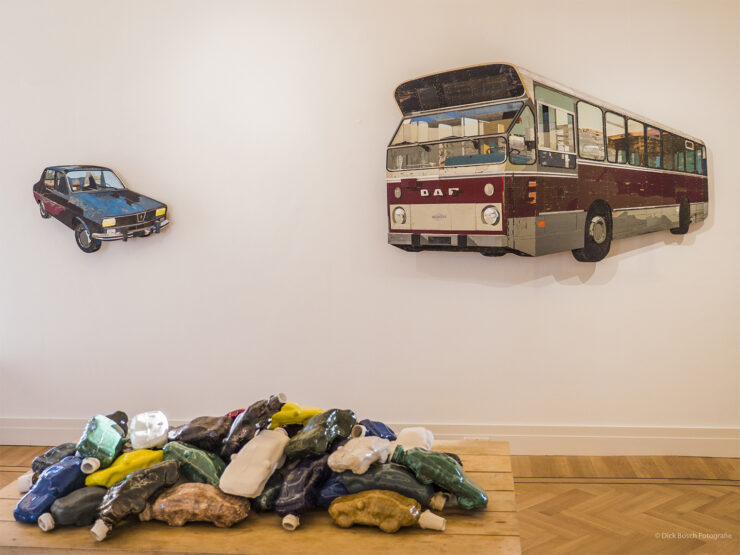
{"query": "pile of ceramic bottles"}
(273, 456)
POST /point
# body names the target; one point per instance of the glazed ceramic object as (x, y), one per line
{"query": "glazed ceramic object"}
(25, 481)
(359, 453)
(250, 468)
(300, 490)
(417, 436)
(123, 466)
(246, 425)
(332, 488)
(291, 413)
(394, 477)
(120, 418)
(205, 432)
(387, 510)
(265, 501)
(430, 467)
(148, 430)
(102, 439)
(373, 428)
(52, 456)
(319, 433)
(130, 496)
(234, 413)
(56, 481)
(196, 464)
(79, 508)
(194, 502)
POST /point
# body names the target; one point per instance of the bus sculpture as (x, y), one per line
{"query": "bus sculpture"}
(497, 159)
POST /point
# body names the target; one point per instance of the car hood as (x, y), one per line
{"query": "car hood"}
(103, 204)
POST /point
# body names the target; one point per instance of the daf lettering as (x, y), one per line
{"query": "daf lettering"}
(439, 193)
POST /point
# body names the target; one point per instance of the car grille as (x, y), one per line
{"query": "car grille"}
(133, 219)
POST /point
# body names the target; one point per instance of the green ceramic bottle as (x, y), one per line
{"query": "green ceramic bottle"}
(196, 464)
(431, 467)
(102, 439)
(394, 477)
(318, 434)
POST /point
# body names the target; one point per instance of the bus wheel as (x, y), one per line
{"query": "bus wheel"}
(597, 238)
(684, 216)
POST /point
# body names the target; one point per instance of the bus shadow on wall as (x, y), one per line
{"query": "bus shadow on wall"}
(512, 270)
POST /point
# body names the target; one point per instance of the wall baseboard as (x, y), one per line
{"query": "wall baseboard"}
(524, 440)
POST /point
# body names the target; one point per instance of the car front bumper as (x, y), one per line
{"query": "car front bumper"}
(139, 230)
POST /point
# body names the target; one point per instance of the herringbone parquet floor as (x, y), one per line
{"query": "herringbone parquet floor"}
(681, 505)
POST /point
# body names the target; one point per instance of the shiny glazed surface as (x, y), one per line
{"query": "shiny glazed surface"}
(199, 502)
(387, 510)
(318, 434)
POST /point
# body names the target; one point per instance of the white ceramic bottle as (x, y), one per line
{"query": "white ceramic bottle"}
(250, 468)
(416, 436)
(359, 453)
(148, 430)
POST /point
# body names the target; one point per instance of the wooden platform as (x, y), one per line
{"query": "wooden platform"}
(492, 531)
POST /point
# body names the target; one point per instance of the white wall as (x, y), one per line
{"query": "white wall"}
(263, 125)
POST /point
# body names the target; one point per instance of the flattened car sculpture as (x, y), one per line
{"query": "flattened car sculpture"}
(93, 202)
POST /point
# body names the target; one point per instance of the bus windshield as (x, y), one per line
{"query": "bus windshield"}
(473, 122)
(487, 150)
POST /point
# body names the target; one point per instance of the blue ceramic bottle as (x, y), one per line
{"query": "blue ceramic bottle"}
(56, 481)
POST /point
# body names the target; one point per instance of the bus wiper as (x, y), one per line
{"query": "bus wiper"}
(410, 143)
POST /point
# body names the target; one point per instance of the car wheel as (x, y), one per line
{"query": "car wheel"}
(85, 241)
(684, 218)
(44, 213)
(597, 239)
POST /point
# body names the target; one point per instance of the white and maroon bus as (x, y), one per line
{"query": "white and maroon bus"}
(497, 159)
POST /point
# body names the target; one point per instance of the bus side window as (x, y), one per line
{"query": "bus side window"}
(673, 152)
(653, 147)
(556, 129)
(616, 144)
(636, 132)
(700, 160)
(521, 139)
(49, 179)
(590, 131)
(690, 156)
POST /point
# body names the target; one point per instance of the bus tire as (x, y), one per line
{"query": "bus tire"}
(684, 218)
(597, 235)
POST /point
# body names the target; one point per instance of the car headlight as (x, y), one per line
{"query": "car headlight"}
(399, 216)
(160, 212)
(109, 222)
(490, 215)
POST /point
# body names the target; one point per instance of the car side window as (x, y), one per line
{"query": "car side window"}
(75, 183)
(62, 184)
(49, 179)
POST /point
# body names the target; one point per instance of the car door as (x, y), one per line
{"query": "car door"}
(62, 197)
(55, 201)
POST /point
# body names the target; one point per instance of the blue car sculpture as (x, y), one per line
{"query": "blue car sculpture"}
(93, 201)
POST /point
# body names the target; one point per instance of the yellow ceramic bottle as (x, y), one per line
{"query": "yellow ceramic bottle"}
(387, 510)
(293, 414)
(123, 466)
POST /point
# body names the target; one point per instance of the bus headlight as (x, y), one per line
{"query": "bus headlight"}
(399, 216)
(490, 215)
(109, 222)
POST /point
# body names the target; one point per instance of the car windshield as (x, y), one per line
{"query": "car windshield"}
(93, 180)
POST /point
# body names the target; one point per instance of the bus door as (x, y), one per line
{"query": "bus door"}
(559, 218)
